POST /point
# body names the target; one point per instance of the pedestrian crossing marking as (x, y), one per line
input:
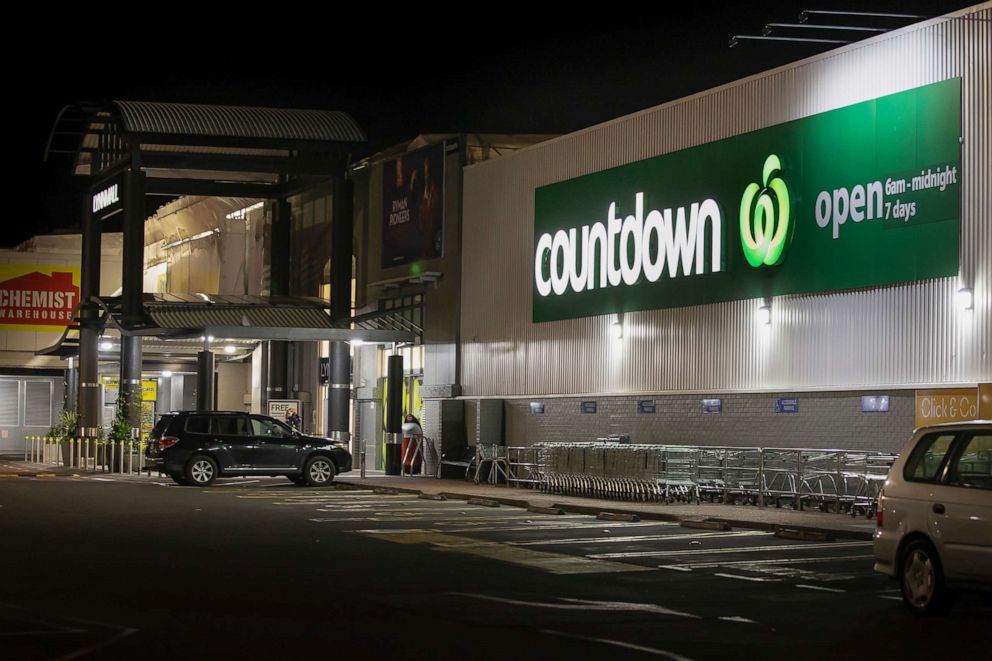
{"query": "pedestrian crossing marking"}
(553, 563)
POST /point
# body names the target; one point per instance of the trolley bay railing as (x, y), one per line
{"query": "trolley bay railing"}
(87, 454)
(829, 480)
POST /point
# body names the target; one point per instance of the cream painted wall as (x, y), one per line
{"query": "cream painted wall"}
(233, 383)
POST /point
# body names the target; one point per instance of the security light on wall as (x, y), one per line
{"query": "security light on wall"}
(166, 373)
(230, 348)
(765, 315)
(617, 328)
(965, 298)
(106, 346)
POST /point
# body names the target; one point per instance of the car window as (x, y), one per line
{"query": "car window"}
(198, 424)
(263, 427)
(229, 425)
(974, 467)
(925, 463)
(162, 425)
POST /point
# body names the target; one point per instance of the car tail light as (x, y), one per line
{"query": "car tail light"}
(880, 514)
(167, 442)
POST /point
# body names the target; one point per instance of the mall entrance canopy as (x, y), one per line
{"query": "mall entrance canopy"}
(129, 150)
(177, 328)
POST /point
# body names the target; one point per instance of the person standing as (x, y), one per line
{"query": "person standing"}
(293, 419)
(413, 438)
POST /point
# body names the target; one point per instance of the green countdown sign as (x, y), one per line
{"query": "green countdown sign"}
(861, 196)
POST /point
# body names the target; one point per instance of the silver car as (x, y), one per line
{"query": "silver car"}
(934, 529)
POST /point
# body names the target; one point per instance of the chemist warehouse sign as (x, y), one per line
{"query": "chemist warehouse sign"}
(860, 196)
(36, 297)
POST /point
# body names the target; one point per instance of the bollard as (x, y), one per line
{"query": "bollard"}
(130, 458)
(26, 439)
(79, 452)
(798, 481)
(141, 456)
(363, 462)
(761, 478)
(72, 452)
(120, 457)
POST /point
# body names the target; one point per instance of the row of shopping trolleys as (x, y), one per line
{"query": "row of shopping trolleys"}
(829, 480)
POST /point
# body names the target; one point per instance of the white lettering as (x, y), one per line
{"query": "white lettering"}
(841, 205)
(678, 244)
(633, 228)
(614, 226)
(543, 247)
(709, 210)
(624, 250)
(105, 198)
(858, 203)
(576, 275)
(823, 209)
(597, 240)
(653, 268)
(561, 255)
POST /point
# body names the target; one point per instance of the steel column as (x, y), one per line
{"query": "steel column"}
(205, 380)
(394, 414)
(339, 392)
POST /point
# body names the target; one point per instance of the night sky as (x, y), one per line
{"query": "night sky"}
(397, 75)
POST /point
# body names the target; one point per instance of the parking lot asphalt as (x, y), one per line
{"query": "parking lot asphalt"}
(122, 568)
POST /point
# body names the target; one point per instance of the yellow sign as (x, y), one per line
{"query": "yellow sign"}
(149, 388)
(38, 297)
(946, 405)
(985, 401)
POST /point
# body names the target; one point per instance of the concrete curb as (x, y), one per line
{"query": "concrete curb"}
(594, 511)
(704, 524)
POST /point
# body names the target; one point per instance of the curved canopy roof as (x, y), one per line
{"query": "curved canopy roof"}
(189, 119)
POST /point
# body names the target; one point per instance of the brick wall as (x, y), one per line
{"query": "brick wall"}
(824, 420)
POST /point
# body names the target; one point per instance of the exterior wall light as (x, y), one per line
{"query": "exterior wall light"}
(166, 373)
(617, 328)
(765, 315)
(230, 348)
(106, 346)
(965, 298)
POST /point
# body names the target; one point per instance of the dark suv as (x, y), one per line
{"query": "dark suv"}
(198, 447)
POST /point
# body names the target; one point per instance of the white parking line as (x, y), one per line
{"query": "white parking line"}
(745, 564)
(642, 538)
(742, 549)
(620, 643)
(742, 620)
(536, 526)
(747, 578)
(817, 587)
(583, 605)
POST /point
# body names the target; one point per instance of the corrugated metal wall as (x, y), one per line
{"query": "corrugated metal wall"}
(900, 335)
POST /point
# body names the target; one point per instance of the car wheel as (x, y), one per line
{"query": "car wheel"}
(201, 471)
(922, 579)
(319, 471)
(179, 479)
